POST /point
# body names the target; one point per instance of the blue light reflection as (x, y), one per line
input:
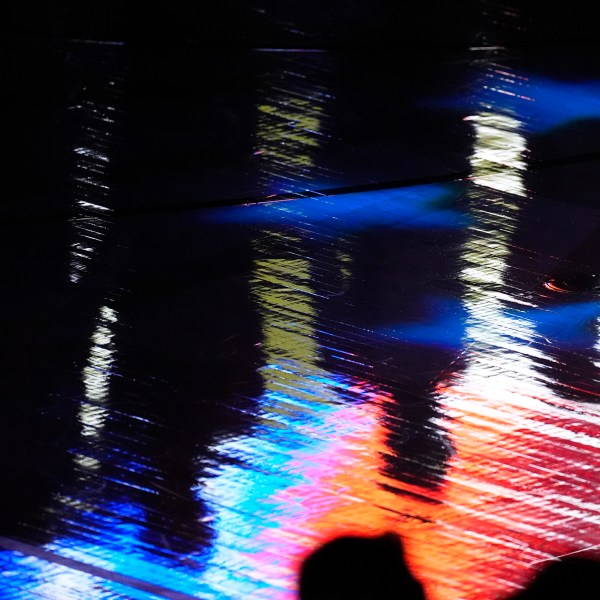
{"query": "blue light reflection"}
(542, 103)
(444, 325)
(30, 576)
(568, 326)
(415, 207)
(113, 539)
(247, 496)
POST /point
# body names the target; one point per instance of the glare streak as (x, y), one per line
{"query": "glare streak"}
(97, 373)
(90, 182)
(497, 158)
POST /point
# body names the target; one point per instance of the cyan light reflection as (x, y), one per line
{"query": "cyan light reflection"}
(260, 490)
(31, 577)
(415, 207)
(276, 506)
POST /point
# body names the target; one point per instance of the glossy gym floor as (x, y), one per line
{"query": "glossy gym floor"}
(293, 273)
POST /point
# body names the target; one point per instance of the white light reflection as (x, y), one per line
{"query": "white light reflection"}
(96, 380)
(96, 113)
(90, 225)
(510, 346)
(497, 161)
(91, 189)
(597, 345)
(520, 464)
(96, 374)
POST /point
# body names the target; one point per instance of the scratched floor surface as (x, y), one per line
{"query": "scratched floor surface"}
(256, 299)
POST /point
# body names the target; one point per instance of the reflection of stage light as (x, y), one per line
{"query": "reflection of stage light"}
(542, 104)
(525, 463)
(268, 482)
(497, 158)
(290, 126)
(574, 282)
(413, 207)
(97, 374)
(91, 223)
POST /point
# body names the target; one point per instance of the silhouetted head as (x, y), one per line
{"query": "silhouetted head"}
(569, 578)
(359, 568)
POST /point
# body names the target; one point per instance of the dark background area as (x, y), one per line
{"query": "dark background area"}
(307, 24)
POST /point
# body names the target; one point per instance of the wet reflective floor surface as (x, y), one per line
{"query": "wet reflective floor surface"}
(256, 298)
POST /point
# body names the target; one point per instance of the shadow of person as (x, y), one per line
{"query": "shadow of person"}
(359, 568)
(572, 577)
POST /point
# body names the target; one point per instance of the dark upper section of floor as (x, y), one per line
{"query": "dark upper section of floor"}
(307, 24)
(187, 111)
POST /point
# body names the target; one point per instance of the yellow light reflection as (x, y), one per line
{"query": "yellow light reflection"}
(281, 288)
(289, 130)
(296, 390)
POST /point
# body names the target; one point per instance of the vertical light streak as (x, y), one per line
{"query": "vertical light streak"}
(498, 384)
(497, 163)
(597, 344)
(257, 515)
(96, 112)
(297, 392)
(290, 129)
(96, 375)
(511, 449)
(249, 501)
(91, 189)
